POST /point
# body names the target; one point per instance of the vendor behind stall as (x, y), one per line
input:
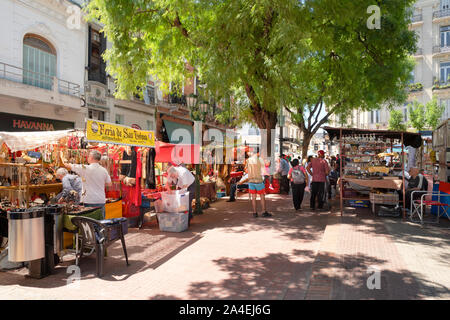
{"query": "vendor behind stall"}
(183, 179)
(94, 177)
(72, 186)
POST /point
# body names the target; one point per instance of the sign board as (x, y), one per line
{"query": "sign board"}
(105, 132)
(15, 123)
(96, 96)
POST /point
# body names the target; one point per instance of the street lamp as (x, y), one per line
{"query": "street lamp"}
(198, 112)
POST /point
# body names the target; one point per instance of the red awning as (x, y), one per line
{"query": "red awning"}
(177, 153)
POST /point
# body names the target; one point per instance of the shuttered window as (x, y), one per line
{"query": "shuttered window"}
(39, 63)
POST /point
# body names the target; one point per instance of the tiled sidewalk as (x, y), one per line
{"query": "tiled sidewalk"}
(227, 254)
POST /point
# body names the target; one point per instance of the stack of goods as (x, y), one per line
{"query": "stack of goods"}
(172, 211)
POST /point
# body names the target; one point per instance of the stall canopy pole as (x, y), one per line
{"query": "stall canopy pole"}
(341, 184)
(403, 179)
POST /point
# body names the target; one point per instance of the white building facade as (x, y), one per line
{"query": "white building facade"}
(41, 66)
(431, 75)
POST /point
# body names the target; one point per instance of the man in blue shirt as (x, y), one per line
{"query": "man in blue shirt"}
(284, 170)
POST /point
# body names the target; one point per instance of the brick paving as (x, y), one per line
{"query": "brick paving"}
(227, 254)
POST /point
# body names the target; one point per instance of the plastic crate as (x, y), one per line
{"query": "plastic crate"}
(384, 198)
(221, 194)
(173, 222)
(175, 201)
(359, 203)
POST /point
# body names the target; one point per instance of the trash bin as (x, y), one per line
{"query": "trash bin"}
(26, 234)
(53, 233)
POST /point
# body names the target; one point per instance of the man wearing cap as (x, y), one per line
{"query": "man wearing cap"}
(320, 171)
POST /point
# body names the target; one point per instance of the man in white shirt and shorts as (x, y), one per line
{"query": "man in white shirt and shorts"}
(255, 169)
(95, 178)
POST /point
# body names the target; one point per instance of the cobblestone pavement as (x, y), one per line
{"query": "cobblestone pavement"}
(227, 254)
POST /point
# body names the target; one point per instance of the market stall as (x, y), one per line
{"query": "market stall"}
(365, 176)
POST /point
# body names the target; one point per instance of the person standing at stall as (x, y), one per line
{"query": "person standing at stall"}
(72, 186)
(183, 179)
(319, 173)
(95, 178)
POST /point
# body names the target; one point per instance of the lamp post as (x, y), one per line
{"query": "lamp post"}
(198, 112)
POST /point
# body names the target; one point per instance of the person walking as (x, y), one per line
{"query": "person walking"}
(319, 173)
(255, 169)
(299, 180)
(283, 171)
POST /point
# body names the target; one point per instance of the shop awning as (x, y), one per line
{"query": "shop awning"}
(21, 141)
(177, 153)
(409, 138)
(179, 133)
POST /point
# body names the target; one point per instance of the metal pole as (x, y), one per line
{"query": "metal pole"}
(403, 180)
(198, 207)
(341, 183)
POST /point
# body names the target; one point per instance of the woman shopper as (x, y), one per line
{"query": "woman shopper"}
(299, 180)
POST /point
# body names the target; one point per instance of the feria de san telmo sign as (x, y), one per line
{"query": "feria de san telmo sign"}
(104, 132)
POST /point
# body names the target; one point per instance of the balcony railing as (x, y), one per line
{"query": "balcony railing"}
(440, 49)
(441, 13)
(36, 79)
(175, 99)
(441, 85)
(416, 18)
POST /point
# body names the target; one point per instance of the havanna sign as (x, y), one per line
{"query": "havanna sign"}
(104, 132)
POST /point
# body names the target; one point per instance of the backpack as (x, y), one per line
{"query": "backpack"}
(298, 177)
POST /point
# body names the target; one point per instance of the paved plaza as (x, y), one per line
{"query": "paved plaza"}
(228, 254)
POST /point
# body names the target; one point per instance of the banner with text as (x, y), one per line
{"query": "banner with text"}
(104, 132)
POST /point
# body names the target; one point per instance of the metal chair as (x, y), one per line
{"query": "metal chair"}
(98, 235)
(417, 205)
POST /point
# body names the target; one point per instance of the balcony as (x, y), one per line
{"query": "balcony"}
(416, 18)
(441, 85)
(415, 87)
(441, 14)
(419, 52)
(34, 86)
(440, 49)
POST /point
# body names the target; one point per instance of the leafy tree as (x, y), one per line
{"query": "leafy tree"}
(308, 56)
(433, 113)
(417, 116)
(396, 121)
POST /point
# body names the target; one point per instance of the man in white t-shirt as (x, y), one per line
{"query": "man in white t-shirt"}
(183, 179)
(95, 178)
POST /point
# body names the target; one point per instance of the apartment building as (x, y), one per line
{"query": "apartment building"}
(431, 75)
(41, 66)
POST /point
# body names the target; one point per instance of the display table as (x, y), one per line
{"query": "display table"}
(377, 183)
(208, 190)
(94, 213)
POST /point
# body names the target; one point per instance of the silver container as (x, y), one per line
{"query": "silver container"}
(56, 212)
(26, 235)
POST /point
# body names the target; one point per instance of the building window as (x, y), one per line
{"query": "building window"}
(375, 116)
(96, 64)
(39, 62)
(445, 36)
(253, 131)
(444, 71)
(150, 125)
(96, 115)
(445, 4)
(405, 111)
(120, 119)
(151, 94)
(446, 113)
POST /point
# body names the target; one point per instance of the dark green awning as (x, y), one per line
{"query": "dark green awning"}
(179, 133)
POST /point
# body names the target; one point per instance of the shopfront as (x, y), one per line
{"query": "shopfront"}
(15, 123)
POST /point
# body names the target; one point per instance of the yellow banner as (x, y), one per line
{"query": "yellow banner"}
(104, 132)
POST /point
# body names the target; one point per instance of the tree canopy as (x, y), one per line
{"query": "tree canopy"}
(307, 55)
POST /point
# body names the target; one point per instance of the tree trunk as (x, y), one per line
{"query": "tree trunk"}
(264, 119)
(306, 141)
